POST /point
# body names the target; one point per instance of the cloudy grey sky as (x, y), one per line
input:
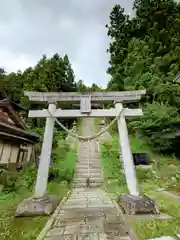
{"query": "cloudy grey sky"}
(30, 28)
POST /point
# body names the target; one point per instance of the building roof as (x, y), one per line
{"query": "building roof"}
(14, 133)
(10, 107)
(11, 125)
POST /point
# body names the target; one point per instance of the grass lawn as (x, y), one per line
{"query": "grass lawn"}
(162, 175)
(29, 228)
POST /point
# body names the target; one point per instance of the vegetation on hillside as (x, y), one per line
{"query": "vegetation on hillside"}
(144, 54)
(166, 174)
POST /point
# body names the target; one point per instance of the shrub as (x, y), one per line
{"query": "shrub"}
(8, 180)
(107, 145)
(63, 164)
(13, 181)
(158, 126)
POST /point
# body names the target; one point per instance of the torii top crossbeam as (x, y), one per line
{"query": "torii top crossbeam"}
(76, 97)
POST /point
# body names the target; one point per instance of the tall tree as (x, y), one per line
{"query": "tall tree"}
(53, 74)
(150, 60)
(119, 31)
(81, 87)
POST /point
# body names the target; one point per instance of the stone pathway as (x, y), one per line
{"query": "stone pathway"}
(88, 170)
(88, 213)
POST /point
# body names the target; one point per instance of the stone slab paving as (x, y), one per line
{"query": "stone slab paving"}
(89, 213)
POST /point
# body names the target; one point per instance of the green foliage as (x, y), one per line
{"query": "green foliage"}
(144, 54)
(107, 145)
(49, 74)
(112, 170)
(145, 175)
(7, 180)
(81, 87)
(64, 162)
(158, 125)
(13, 181)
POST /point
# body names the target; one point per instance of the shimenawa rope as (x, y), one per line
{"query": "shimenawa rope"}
(87, 138)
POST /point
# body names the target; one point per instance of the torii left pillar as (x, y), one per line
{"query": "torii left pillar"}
(45, 158)
(40, 204)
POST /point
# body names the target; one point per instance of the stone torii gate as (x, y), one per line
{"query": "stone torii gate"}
(85, 100)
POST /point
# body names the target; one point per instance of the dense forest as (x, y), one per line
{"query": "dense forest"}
(145, 54)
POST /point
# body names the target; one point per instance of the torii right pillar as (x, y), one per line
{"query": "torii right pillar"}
(134, 202)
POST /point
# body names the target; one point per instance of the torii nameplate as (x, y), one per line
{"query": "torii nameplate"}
(85, 103)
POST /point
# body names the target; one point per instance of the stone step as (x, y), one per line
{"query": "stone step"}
(95, 185)
(81, 179)
(94, 180)
(86, 167)
(86, 156)
(88, 177)
(88, 173)
(92, 174)
(81, 166)
(82, 157)
(84, 179)
(91, 171)
(87, 160)
(79, 185)
(85, 171)
(86, 163)
(90, 184)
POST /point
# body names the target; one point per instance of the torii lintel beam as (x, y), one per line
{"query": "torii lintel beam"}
(75, 97)
(59, 113)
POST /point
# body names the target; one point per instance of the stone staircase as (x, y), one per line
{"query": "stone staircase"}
(88, 170)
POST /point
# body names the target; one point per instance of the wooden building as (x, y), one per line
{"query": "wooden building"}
(16, 142)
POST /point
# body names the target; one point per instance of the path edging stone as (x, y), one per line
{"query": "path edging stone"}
(51, 219)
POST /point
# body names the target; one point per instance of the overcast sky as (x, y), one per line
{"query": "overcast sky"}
(30, 28)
